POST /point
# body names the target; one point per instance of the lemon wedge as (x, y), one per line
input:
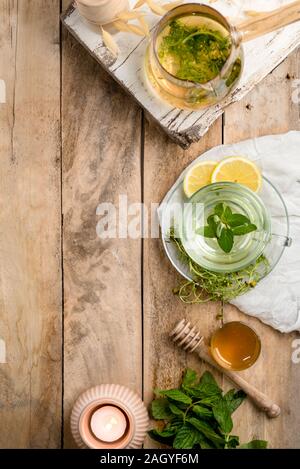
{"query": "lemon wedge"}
(240, 170)
(198, 176)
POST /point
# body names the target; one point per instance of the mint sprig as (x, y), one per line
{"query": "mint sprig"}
(224, 225)
(198, 415)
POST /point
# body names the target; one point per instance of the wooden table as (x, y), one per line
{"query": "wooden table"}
(76, 310)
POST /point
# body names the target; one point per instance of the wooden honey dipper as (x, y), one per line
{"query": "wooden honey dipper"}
(189, 338)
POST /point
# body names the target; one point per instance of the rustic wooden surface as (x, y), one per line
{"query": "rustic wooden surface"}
(70, 138)
(30, 267)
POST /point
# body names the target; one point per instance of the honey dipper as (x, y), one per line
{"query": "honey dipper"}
(186, 336)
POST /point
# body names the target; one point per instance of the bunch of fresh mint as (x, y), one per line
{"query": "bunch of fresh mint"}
(225, 225)
(198, 415)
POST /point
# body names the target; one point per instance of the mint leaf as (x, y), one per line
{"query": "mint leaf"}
(189, 377)
(233, 441)
(202, 411)
(175, 410)
(198, 415)
(205, 445)
(207, 390)
(186, 437)
(206, 231)
(227, 214)
(254, 444)
(225, 240)
(213, 223)
(237, 219)
(177, 395)
(222, 415)
(220, 228)
(207, 431)
(160, 409)
(234, 399)
(166, 433)
(207, 378)
(162, 436)
(244, 229)
(219, 210)
(211, 400)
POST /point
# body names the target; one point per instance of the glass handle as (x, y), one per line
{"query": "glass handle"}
(287, 241)
(267, 22)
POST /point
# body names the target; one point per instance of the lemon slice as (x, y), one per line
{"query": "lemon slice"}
(198, 176)
(240, 170)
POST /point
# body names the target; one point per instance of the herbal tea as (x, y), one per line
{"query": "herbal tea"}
(193, 59)
(246, 249)
(235, 346)
(194, 48)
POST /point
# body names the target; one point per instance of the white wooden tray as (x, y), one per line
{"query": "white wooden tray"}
(184, 127)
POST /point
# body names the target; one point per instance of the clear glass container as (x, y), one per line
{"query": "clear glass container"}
(183, 93)
(206, 251)
(274, 203)
(235, 346)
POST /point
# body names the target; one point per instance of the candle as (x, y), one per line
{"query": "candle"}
(109, 416)
(101, 11)
(108, 423)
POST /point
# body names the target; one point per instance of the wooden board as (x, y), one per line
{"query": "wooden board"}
(268, 109)
(102, 277)
(30, 273)
(118, 304)
(261, 56)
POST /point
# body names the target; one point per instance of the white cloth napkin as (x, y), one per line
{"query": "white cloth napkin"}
(276, 299)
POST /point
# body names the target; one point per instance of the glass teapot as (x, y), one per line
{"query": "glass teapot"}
(192, 94)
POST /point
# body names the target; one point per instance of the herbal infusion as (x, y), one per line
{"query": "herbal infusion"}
(192, 51)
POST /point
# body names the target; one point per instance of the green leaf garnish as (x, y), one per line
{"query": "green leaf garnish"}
(225, 240)
(237, 219)
(223, 225)
(244, 229)
(206, 231)
(219, 210)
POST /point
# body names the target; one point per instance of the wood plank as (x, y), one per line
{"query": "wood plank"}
(30, 271)
(102, 277)
(269, 110)
(163, 363)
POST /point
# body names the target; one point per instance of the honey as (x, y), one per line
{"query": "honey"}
(235, 346)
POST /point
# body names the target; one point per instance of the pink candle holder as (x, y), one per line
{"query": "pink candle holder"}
(109, 416)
